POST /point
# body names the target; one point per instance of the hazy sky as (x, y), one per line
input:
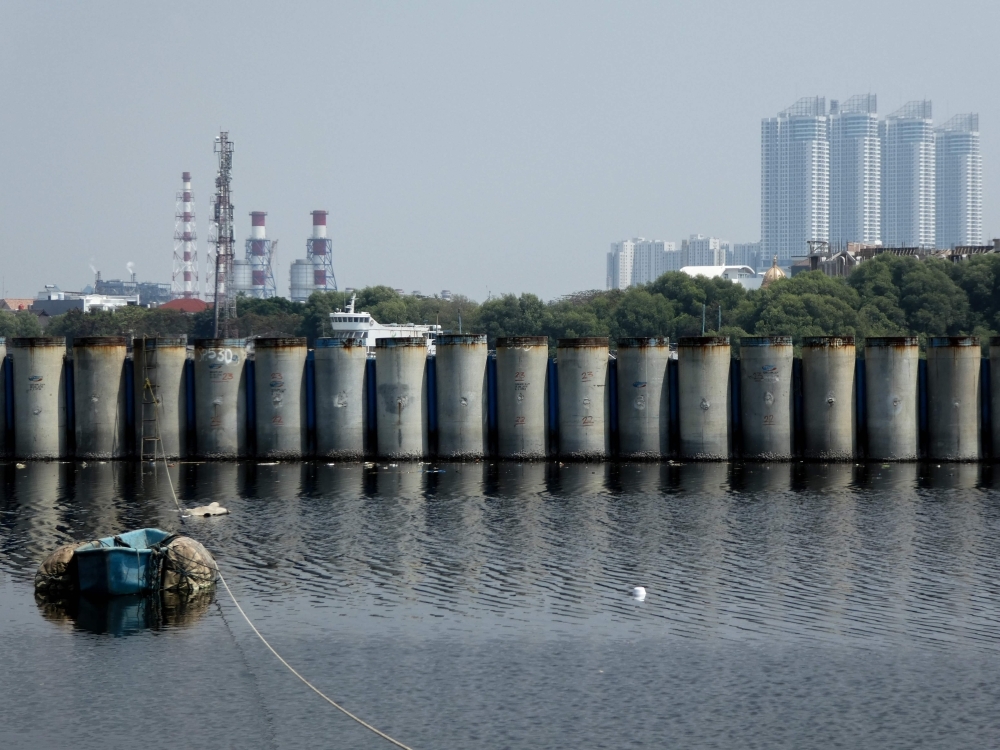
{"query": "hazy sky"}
(476, 147)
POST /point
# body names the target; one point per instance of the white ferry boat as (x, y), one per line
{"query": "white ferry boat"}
(348, 324)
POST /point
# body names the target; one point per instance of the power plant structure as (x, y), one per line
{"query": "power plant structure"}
(254, 276)
(226, 276)
(184, 281)
(314, 273)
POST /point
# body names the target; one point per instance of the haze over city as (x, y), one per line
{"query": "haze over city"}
(477, 149)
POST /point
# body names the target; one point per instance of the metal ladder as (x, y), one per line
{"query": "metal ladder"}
(150, 435)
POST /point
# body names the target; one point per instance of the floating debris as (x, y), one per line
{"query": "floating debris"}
(212, 509)
(639, 593)
(21, 466)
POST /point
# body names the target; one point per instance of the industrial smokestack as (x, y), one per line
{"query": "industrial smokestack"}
(319, 224)
(184, 282)
(260, 251)
(257, 230)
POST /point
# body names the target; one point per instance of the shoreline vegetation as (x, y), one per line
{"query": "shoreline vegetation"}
(885, 296)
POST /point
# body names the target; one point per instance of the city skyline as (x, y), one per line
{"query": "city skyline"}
(840, 174)
(484, 149)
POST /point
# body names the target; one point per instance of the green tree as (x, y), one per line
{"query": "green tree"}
(642, 313)
(979, 278)
(20, 324)
(510, 315)
(934, 304)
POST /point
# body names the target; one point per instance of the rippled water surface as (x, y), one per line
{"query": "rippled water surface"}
(487, 606)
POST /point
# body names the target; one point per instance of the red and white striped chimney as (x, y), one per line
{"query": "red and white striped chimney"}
(257, 229)
(319, 224)
(184, 282)
(188, 210)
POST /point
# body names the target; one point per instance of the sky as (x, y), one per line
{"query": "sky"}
(482, 148)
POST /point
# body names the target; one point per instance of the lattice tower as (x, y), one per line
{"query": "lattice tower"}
(222, 206)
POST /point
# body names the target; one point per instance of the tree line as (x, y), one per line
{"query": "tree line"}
(886, 296)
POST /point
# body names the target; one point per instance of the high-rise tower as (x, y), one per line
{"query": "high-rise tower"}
(795, 180)
(224, 294)
(855, 171)
(908, 184)
(184, 282)
(959, 183)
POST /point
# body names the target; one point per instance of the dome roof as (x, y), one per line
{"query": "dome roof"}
(772, 274)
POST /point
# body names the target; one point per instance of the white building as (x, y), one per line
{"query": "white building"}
(855, 171)
(699, 250)
(959, 183)
(739, 274)
(621, 259)
(53, 301)
(795, 180)
(639, 261)
(908, 184)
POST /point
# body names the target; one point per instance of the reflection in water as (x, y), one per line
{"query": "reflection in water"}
(126, 615)
(488, 604)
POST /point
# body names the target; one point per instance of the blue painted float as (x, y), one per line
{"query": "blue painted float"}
(119, 565)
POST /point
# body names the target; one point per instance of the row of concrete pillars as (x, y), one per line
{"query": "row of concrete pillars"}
(287, 402)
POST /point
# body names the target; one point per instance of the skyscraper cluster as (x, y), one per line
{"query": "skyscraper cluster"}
(642, 261)
(840, 174)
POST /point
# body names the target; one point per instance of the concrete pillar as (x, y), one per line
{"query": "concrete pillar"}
(583, 398)
(704, 394)
(995, 392)
(4, 448)
(401, 397)
(39, 397)
(99, 396)
(829, 397)
(953, 398)
(522, 396)
(220, 398)
(160, 407)
(341, 398)
(643, 398)
(766, 397)
(461, 396)
(280, 397)
(891, 365)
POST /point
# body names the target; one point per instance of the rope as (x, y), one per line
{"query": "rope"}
(156, 420)
(166, 468)
(270, 648)
(308, 684)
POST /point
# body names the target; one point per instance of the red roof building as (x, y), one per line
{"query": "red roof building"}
(186, 305)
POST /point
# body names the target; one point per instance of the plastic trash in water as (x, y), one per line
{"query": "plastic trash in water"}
(639, 593)
(212, 509)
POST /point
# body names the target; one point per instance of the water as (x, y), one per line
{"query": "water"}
(487, 606)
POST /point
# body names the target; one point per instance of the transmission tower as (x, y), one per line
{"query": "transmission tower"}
(222, 206)
(184, 282)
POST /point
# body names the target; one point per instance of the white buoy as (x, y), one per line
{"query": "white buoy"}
(639, 593)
